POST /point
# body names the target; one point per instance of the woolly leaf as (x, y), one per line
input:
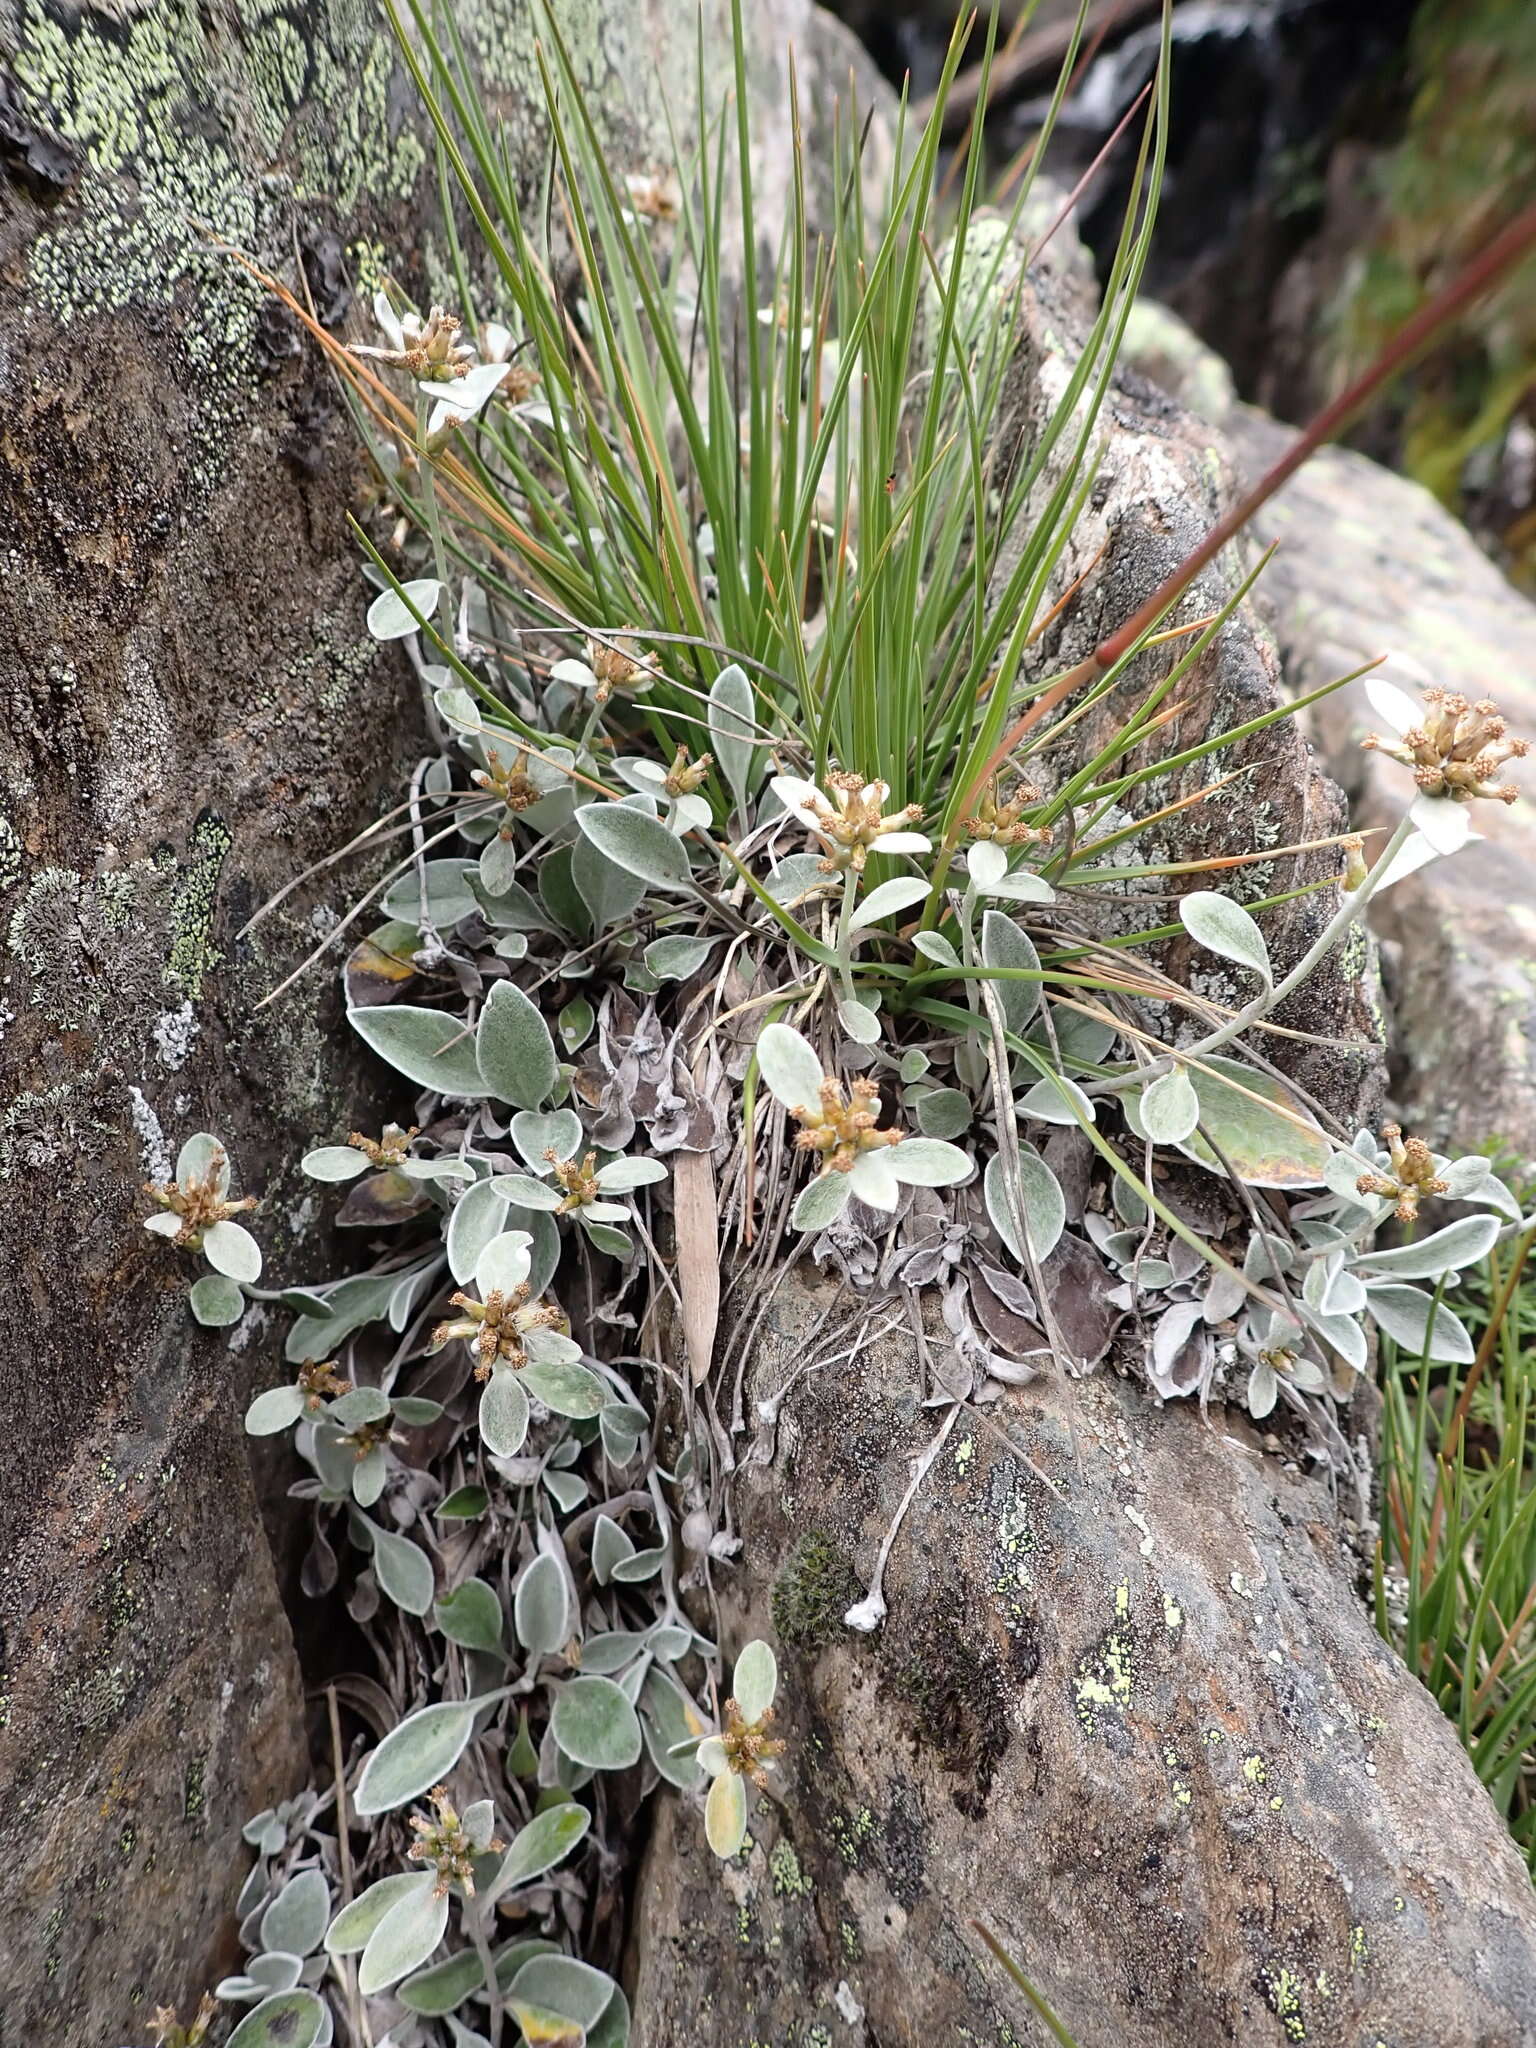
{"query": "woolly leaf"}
(1224, 927)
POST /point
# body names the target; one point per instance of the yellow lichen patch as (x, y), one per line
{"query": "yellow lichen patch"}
(1283, 1989)
(1105, 1675)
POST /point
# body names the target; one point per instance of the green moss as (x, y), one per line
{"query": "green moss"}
(812, 1593)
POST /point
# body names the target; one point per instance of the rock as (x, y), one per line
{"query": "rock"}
(192, 714)
(1127, 1709)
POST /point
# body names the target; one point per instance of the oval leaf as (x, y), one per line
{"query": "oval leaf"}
(427, 1046)
(471, 1615)
(725, 1814)
(1045, 1208)
(885, 901)
(515, 1051)
(446, 1985)
(1006, 944)
(595, 1725)
(821, 1201)
(479, 1216)
(547, 1840)
(1460, 1244)
(564, 1388)
(279, 1408)
(216, 1302)
(230, 1249)
(503, 1415)
(790, 1069)
(295, 1922)
(353, 1926)
(390, 616)
(293, 2019)
(404, 1938)
(636, 842)
(927, 1163)
(334, 1162)
(1169, 1108)
(565, 1985)
(535, 1133)
(415, 1756)
(1267, 1149)
(1224, 927)
(755, 1681)
(733, 732)
(1405, 1314)
(541, 1611)
(403, 1570)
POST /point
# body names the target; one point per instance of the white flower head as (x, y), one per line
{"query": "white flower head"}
(1455, 749)
(849, 818)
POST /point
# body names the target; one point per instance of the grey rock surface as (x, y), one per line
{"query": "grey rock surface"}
(1126, 1709)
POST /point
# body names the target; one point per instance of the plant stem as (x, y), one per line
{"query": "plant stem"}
(844, 919)
(1272, 997)
(434, 523)
(474, 1924)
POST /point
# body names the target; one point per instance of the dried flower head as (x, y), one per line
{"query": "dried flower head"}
(1003, 823)
(444, 1842)
(369, 1436)
(1412, 1178)
(617, 663)
(851, 822)
(197, 1201)
(318, 1378)
(1457, 748)
(495, 1328)
(657, 195)
(578, 1178)
(429, 350)
(391, 1146)
(683, 778)
(749, 1750)
(166, 2031)
(509, 780)
(839, 1129)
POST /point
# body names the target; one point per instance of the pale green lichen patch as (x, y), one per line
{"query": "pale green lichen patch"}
(182, 120)
(192, 954)
(788, 1879)
(852, 1834)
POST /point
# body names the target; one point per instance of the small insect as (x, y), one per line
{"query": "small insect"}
(890, 484)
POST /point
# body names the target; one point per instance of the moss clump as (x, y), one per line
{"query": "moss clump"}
(812, 1593)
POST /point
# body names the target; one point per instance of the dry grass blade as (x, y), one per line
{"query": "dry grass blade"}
(696, 1218)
